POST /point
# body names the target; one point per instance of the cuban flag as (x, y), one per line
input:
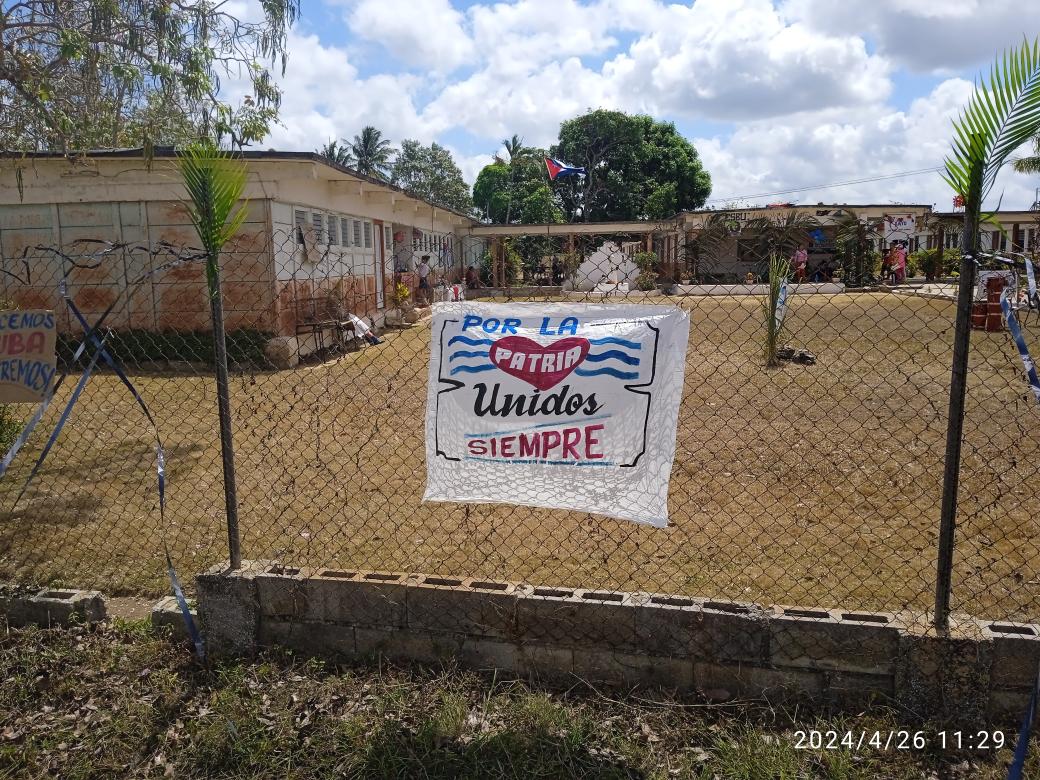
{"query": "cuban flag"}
(557, 169)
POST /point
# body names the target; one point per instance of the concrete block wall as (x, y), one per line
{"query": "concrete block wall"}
(981, 672)
(51, 607)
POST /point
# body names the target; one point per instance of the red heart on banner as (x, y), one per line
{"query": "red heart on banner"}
(538, 365)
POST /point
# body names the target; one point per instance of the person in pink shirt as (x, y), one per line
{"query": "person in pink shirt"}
(897, 262)
(800, 263)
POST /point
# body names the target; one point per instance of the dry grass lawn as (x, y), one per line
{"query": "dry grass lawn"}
(805, 485)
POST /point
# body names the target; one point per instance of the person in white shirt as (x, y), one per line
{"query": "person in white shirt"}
(423, 269)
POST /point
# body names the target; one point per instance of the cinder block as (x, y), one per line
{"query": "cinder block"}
(484, 654)
(746, 681)
(546, 663)
(852, 691)
(439, 604)
(546, 614)
(323, 640)
(290, 594)
(1016, 654)
(52, 606)
(426, 647)
(631, 670)
(705, 630)
(1008, 707)
(865, 646)
(944, 677)
(167, 614)
(376, 599)
(229, 608)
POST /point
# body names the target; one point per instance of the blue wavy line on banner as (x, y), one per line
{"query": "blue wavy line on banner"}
(615, 340)
(540, 425)
(464, 353)
(613, 354)
(544, 462)
(471, 369)
(468, 340)
(1020, 342)
(609, 372)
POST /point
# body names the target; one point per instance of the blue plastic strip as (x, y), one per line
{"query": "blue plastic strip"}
(1022, 748)
(1031, 282)
(160, 457)
(1020, 342)
(781, 305)
(30, 426)
(109, 361)
(61, 423)
(193, 631)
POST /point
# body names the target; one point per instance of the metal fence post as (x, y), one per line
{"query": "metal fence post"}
(954, 426)
(227, 451)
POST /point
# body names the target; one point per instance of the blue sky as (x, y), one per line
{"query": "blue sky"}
(775, 94)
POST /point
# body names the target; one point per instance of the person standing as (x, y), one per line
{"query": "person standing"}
(894, 267)
(899, 263)
(801, 263)
(423, 270)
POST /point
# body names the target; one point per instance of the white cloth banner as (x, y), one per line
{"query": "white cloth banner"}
(569, 406)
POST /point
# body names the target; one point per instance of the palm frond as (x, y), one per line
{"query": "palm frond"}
(214, 180)
(1003, 114)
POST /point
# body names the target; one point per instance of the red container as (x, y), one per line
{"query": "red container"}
(978, 315)
(994, 315)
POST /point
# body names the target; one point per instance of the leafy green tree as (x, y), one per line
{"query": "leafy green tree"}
(80, 74)
(372, 153)
(431, 173)
(637, 168)
(540, 207)
(502, 189)
(491, 192)
(337, 152)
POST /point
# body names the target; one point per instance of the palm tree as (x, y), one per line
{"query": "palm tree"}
(855, 242)
(515, 148)
(999, 118)
(337, 152)
(215, 181)
(1030, 164)
(371, 152)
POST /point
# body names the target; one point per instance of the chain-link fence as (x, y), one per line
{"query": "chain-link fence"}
(814, 483)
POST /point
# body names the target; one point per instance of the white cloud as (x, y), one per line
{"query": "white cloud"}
(425, 33)
(926, 35)
(323, 97)
(836, 146)
(532, 106)
(722, 59)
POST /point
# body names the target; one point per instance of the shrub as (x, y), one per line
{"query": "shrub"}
(646, 281)
(646, 262)
(400, 295)
(924, 259)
